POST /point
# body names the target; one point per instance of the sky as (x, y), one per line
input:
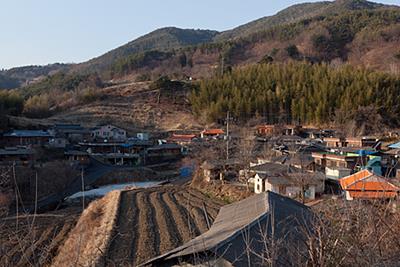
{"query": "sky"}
(38, 32)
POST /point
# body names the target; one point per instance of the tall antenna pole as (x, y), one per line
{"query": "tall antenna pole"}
(222, 66)
(227, 135)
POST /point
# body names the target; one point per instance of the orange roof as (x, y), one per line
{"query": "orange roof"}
(182, 137)
(366, 184)
(266, 126)
(213, 131)
(372, 194)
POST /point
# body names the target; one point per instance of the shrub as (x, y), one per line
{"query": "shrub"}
(37, 106)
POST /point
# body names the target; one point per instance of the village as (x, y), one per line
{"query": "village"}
(234, 168)
(301, 163)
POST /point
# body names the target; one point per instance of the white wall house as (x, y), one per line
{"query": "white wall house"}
(335, 173)
(281, 185)
(109, 132)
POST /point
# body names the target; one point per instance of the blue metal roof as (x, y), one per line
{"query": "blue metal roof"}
(395, 145)
(27, 133)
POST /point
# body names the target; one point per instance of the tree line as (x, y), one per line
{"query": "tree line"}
(298, 92)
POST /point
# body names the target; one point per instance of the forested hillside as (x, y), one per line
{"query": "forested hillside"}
(361, 37)
(299, 93)
(296, 13)
(162, 39)
(20, 76)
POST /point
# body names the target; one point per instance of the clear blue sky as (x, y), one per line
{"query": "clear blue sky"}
(48, 31)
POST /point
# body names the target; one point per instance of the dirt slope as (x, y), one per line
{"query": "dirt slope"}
(132, 106)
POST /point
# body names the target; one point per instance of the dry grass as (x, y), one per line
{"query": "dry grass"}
(87, 242)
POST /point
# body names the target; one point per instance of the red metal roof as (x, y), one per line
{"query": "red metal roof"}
(365, 184)
(182, 137)
(213, 131)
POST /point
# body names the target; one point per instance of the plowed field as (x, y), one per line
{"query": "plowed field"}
(154, 221)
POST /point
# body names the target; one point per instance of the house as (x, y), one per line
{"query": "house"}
(182, 139)
(368, 185)
(268, 129)
(143, 136)
(210, 171)
(71, 132)
(335, 173)
(80, 157)
(220, 169)
(17, 155)
(212, 133)
(26, 137)
(290, 185)
(343, 160)
(361, 141)
(162, 153)
(279, 221)
(58, 142)
(292, 130)
(109, 132)
(334, 142)
(273, 169)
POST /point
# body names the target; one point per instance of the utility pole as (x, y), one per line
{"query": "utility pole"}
(222, 66)
(227, 136)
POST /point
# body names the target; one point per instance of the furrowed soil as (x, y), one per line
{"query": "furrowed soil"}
(35, 241)
(155, 220)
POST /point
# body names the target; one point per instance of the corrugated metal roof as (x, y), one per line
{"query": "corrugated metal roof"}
(213, 131)
(27, 133)
(235, 219)
(395, 145)
(367, 183)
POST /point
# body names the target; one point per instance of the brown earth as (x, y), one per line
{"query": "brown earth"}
(133, 106)
(34, 241)
(154, 221)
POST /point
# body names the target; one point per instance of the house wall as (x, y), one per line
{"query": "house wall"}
(110, 132)
(259, 186)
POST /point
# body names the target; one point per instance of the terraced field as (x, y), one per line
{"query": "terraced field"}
(35, 241)
(154, 221)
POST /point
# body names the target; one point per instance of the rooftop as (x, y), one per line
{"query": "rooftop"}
(27, 133)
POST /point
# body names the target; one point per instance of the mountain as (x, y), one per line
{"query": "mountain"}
(15, 77)
(296, 13)
(162, 39)
(357, 32)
